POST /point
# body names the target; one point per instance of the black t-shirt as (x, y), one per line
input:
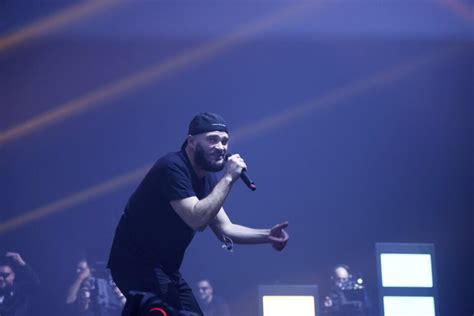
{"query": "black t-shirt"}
(217, 307)
(150, 232)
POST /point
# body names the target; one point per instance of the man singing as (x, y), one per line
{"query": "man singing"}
(179, 196)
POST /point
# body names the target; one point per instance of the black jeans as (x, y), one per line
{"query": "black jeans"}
(170, 288)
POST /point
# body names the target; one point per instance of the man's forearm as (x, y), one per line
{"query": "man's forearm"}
(72, 295)
(246, 235)
(206, 209)
(73, 290)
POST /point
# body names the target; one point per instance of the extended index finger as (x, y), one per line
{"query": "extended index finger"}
(281, 226)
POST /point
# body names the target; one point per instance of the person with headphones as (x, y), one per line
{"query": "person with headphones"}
(347, 297)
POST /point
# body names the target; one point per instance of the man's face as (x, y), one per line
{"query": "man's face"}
(210, 150)
(82, 266)
(7, 277)
(205, 290)
(342, 274)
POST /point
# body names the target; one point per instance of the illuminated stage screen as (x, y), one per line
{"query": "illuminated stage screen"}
(409, 306)
(287, 300)
(288, 305)
(407, 279)
(406, 270)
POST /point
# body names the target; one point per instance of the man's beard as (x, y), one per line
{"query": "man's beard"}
(5, 290)
(207, 161)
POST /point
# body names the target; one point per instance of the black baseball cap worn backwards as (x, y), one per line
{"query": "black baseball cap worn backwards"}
(206, 122)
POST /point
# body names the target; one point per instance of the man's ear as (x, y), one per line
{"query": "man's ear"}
(191, 142)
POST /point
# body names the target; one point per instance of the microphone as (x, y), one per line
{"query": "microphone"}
(243, 175)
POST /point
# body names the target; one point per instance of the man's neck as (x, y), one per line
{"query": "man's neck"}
(199, 171)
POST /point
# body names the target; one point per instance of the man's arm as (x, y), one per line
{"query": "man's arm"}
(277, 235)
(76, 285)
(73, 291)
(199, 213)
(27, 278)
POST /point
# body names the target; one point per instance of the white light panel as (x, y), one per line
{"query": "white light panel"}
(406, 270)
(408, 306)
(276, 305)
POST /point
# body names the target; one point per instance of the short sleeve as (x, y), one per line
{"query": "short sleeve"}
(175, 182)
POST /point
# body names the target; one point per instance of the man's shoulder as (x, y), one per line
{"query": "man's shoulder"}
(171, 160)
(170, 165)
(218, 300)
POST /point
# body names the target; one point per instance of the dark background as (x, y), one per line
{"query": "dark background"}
(354, 117)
